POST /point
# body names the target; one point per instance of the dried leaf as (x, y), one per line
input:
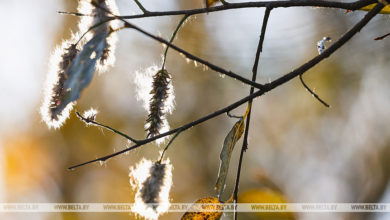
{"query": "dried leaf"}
(204, 203)
(228, 145)
(80, 72)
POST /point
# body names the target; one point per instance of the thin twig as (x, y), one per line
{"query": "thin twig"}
(93, 27)
(248, 119)
(193, 57)
(93, 122)
(187, 54)
(313, 93)
(172, 38)
(140, 6)
(73, 13)
(382, 37)
(326, 53)
(267, 87)
(169, 143)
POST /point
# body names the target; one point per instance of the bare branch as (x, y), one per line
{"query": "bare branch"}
(173, 37)
(261, 4)
(93, 122)
(73, 13)
(382, 37)
(169, 144)
(266, 88)
(305, 67)
(187, 54)
(140, 6)
(313, 93)
(248, 119)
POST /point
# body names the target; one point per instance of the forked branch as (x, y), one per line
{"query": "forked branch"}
(265, 88)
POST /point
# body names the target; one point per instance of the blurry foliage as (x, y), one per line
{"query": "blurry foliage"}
(265, 195)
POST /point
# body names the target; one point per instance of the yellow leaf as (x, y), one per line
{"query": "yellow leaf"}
(266, 195)
(228, 145)
(202, 204)
(385, 10)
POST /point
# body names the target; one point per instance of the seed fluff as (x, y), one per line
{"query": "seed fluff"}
(52, 112)
(153, 182)
(98, 15)
(154, 88)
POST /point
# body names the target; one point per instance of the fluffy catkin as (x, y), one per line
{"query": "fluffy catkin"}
(157, 106)
(52, 114)
(152, 186)
(98, 14)
(54, 109)
(58, 90)
(153, 182)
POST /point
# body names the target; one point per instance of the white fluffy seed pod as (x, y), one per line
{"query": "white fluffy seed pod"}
(53, 114)
(97, 15)
(153, 182)
(155, 89)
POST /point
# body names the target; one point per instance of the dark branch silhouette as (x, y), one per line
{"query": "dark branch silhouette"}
(264, 89)
(248, 119)
(313, 93)
(263, 4)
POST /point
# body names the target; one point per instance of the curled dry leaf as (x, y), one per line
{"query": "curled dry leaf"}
(228, 145)
(205, 208)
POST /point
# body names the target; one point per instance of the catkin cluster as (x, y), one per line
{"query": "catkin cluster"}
(73, 63)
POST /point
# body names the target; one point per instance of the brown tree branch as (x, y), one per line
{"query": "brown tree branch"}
(266, 88)
(312, 92)
(248, 119)
(262, 4)
(184, 52)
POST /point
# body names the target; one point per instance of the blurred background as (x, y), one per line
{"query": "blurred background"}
(299, 151)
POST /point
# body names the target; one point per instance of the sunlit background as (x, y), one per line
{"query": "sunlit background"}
(299, 151)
